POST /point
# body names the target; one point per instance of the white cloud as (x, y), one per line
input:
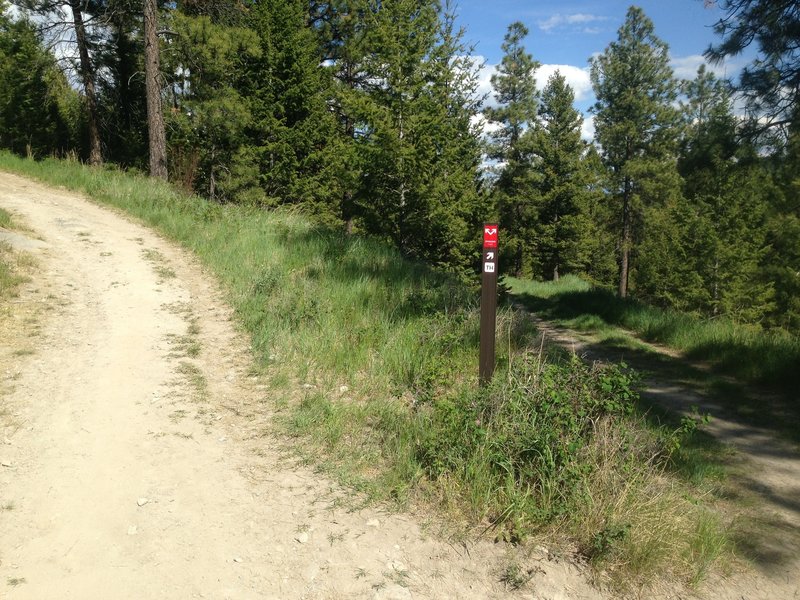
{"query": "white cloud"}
(577, 78)
(685, 67)
(587, 129)
(559, 21)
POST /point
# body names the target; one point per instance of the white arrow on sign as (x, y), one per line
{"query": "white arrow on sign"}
(490, 256)
(491, 230)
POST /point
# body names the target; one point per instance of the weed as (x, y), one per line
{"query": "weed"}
(158, 261)
(6, 222)
(515, 577)
(177, 415)
(11, 271)
(399, 577)
(15, 581)
(335, 537)
(9, 506)
(195, 378)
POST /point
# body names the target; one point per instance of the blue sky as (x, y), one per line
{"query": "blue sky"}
(565, 33)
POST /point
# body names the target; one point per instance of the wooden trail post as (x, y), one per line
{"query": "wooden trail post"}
(488, 301)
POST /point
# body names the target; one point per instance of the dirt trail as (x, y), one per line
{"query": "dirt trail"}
(135, 459)
(765, 473)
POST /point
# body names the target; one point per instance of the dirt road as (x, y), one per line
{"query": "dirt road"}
(135, 463)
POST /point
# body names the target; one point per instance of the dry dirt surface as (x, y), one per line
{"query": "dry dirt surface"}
(135, 463)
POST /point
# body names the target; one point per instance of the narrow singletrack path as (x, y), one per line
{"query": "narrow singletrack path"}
(136, 458)
(764, 473)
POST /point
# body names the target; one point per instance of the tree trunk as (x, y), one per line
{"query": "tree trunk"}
(155, 114)
(624, 266)
(87, 74)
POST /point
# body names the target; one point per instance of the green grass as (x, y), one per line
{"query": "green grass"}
(10, 277)
(372, 367)
(5, 219)
(751, 355)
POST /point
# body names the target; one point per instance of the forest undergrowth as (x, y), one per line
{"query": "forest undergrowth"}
(372, 366)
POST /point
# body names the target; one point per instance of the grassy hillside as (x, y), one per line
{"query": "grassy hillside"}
(373, 367)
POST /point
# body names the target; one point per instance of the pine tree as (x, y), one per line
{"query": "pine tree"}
(78, 16)
(771, 83)
(636, 128)
(121, 102)
(210, 116)
(342, 28)
(563, 185)
(727, 189)
(156, 134)
(419, 150)
(517, 99)
(39, 112)
(290, 157)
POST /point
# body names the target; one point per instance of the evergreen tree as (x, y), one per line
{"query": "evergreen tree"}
(636, 128)
(39, 112)
(728, 190)
(456, 206)
(419, 148)
(156, 134)
(771, 83)
(782, 263)
(563, 185)
(515, 92)
(342, 29)
(291, 149)
(600, 241)
(121, 92)
(210, 116)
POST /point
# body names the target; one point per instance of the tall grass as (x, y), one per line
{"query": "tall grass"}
(5, 219)
(373, 365)
(746, 352)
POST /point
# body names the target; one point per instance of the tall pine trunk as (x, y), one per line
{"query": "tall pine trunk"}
(155, 116)
(87, 74)
(626, 242)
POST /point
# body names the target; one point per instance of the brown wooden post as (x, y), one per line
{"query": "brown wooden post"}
(488, 302)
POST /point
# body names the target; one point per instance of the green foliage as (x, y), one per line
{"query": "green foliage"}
(564, 227)
(290, 154)
(418, 146)
(636, 128)
(771, 83)
(511, 144)
(122, 108)
(208, 129)
(523, 436)
(725, 222)
(39, 112)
